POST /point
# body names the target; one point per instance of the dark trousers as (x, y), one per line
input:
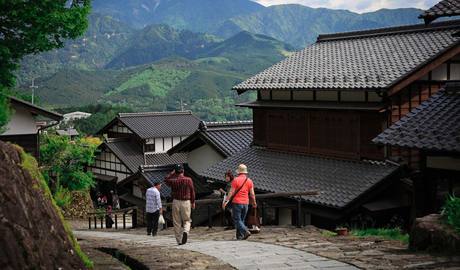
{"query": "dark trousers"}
(152, 222)
(239, 212)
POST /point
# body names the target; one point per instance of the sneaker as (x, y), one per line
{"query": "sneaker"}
(184, 238)
(246, 235)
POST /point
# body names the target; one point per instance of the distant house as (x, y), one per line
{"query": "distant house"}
(24, 126)
(136, 143)
(72, 116)
(318, 110)
(70, 132)
(214, 142)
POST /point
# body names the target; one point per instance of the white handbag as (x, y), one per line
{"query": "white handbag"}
(161, 220)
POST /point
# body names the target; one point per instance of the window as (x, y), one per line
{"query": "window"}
(150, 148)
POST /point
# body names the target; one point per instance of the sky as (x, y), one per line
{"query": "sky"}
(359, 6)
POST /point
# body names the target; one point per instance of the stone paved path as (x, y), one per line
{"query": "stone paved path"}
(239, 254)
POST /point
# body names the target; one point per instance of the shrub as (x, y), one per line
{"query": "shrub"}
(62, 197)
(451, 212)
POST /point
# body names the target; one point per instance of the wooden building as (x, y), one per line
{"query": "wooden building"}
(23, 128)
(137, 140)
(318, 110)
(433, 129)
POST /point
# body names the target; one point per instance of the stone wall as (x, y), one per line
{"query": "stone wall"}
(32, 235)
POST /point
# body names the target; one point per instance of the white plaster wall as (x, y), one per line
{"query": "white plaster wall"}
(159, 145)
(176, 140)
(202, 158)
(22, 122)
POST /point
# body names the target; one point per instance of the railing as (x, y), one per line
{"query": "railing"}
(261, 198)
(102, 216)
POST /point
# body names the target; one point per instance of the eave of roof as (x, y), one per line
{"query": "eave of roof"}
(444, 8)
(369, 106)
(36, 109)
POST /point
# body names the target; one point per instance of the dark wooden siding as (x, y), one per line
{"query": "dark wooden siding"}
(345, 134)
(30, 142)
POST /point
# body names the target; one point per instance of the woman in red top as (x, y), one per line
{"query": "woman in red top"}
(241, 193)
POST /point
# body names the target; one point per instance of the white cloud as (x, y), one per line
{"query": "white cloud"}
(355, 5)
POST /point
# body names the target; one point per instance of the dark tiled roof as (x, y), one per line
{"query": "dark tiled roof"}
(372, 59)
(340, 182)
(159, 175)
(160, 124)
(444, 8)
(131, 155)
(434, 125)
(227, 138)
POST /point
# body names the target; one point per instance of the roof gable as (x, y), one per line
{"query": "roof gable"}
(227, 138)
(373, 59)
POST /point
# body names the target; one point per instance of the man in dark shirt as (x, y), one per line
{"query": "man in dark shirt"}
(183, 194)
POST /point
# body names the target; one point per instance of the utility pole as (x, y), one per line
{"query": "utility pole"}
(182, 105)
(33, 87)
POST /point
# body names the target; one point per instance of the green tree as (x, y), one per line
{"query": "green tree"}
(29, 27)
(64, 163)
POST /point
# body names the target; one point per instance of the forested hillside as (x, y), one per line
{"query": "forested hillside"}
(158, 54)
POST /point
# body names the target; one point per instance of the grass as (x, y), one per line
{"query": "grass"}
(30, 164)
(391, 234)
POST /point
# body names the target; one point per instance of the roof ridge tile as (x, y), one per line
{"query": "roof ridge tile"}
(164, 113)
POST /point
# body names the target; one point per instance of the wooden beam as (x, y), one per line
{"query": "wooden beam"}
(401, 84)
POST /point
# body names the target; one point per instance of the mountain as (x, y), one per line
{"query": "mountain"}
(300, 25)
(101, 42)
(155, 42)
(294, 24)
(195, 15)
(154, 74)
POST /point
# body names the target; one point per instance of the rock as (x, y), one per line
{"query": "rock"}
(32, 235)
(432, 234)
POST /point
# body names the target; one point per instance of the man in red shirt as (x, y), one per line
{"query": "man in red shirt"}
(241, 193)
(183, 194)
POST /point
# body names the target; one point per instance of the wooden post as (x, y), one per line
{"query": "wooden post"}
(299, 211)
(134, 218)
(209, 217)
(89, 223)
(102, 223)
(124, 220)
(116, 223)
(95, 222)
(263, 213)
